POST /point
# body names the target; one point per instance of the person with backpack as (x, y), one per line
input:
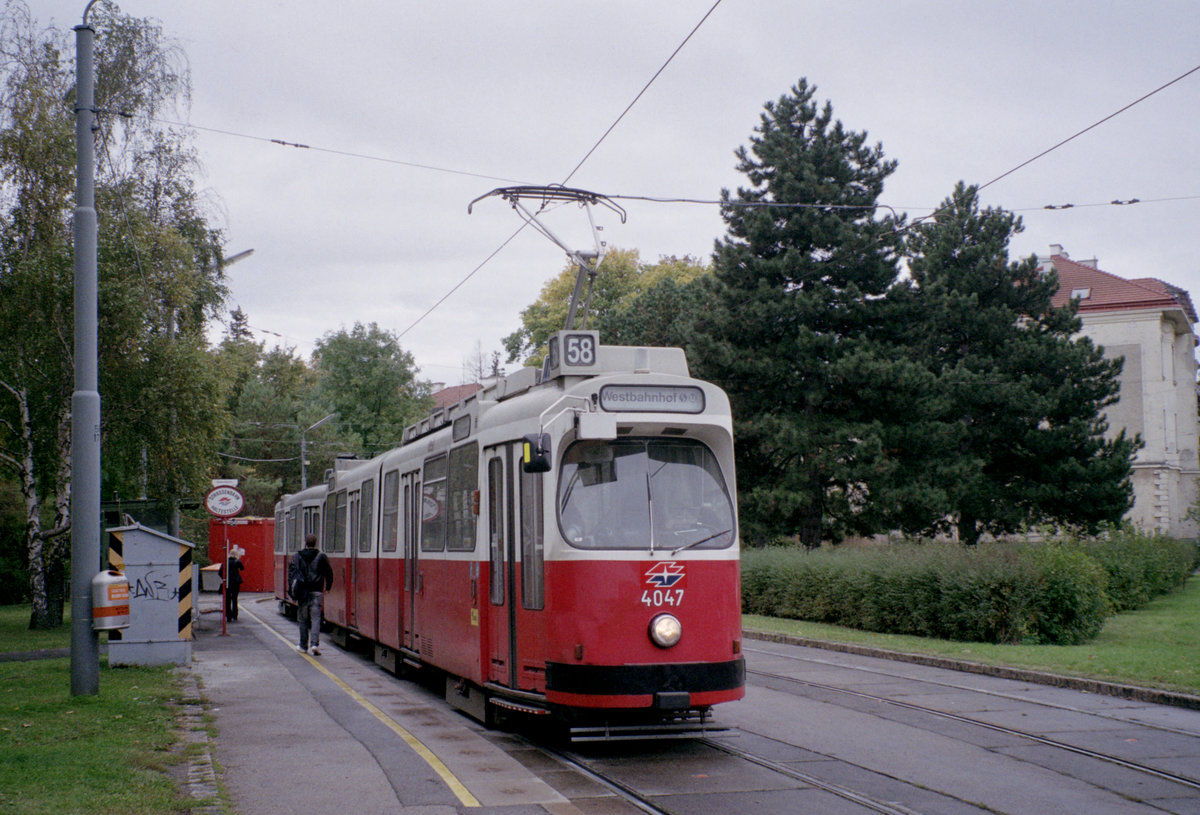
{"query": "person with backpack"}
(311, 576)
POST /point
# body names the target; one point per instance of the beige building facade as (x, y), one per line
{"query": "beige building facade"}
(1152, 325)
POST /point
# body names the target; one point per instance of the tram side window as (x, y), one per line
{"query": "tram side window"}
(390, 522)
(533, 587)
(463, 482)
(433, 506)
(327, 537)
(279, 531)
(295, 535)
(353, 501)
(496, 529)
(312, 524)
(289, 524)
(365, 515)
(337, 527)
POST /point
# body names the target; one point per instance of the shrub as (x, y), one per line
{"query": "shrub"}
(1141, 567)
(1072, 602)
(1057, 592)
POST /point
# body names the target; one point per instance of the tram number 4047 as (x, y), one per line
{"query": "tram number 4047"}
(662, 597)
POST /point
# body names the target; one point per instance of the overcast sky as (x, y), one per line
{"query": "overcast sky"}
(520, 91)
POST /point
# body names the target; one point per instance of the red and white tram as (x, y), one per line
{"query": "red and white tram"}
(562, 542)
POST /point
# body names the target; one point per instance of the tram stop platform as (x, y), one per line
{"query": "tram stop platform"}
(297, 733)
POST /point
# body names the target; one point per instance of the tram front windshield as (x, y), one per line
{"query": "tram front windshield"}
(644, 494)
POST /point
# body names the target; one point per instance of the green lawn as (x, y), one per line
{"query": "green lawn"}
(113, 752)
(83, 755)
(1157, 646)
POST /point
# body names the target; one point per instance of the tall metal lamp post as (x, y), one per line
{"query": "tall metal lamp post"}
(85, 400)
(304, 450)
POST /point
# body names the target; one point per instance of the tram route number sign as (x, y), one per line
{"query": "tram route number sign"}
(579, 350)
(224, 502)
(574, 349)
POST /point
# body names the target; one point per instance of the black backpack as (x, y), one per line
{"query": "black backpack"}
(304, 577)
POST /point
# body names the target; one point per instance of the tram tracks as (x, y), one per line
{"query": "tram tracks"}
(828, 663)
(811, 780)
(608, 780)
(1182, 780)
(658, 804)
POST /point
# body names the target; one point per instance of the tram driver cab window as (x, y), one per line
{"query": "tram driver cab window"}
(634, 493)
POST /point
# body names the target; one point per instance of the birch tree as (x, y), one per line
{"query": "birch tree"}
(159, 270)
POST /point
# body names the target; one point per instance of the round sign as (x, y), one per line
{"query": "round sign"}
(224, 502)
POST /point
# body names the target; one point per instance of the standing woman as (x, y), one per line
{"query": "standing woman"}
(234, 583)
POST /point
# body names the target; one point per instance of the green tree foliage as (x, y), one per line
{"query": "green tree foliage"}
(1023, 397)
(272, 398)
(800, 275)
(371, 383)
(159, 270)
(620, 282)
(14, 572)
(665, 314)
(36, 185)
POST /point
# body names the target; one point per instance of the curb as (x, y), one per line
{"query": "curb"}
(201, 782)
(1151, 695)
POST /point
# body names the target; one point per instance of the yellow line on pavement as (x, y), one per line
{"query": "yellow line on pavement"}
(457, 787)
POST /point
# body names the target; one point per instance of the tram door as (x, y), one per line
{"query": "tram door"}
(410, 530)
(355, 507)
(502, 556)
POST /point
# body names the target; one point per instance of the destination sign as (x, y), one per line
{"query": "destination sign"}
(652, 398)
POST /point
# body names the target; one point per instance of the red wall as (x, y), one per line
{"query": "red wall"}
(257, 537)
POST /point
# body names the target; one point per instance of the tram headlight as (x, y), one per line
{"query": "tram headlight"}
(665, 630)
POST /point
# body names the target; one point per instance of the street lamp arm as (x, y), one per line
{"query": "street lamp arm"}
(321, 422)
(304, 450)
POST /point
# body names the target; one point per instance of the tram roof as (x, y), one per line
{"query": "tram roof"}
(610, 359)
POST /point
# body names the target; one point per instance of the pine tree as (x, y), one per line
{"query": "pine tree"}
(1025, 397)
(800, 275)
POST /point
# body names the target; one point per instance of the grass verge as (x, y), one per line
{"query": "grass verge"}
(1157, 646)
(83, 755)
(113, 752)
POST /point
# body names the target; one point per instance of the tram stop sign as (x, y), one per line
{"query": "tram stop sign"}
(224, 502)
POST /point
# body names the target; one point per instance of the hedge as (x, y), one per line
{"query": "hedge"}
(1059, 591)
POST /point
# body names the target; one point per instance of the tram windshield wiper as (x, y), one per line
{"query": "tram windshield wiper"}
(674, 552)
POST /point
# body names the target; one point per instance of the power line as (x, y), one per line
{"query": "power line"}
(1092, 126)
(346, 153)
(654, 199)
(933, 214)
(1113, 203)
(613, 125)
(645, 88)
(258, 460)
(462, 282)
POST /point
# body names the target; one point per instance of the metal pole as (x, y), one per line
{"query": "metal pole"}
(225, 579)
(304, 450)
(85, 401)
(303, 463)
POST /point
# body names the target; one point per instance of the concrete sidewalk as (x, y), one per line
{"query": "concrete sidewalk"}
(334, 734)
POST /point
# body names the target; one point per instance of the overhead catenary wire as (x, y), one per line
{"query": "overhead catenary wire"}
(715, 202)
(1092, 126)
(640, 93)
(345, 153)
(815, 205)
(582, 161)
(933, 215)
(258, 460)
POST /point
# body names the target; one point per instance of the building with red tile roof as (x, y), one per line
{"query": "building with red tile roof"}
(454, 394)
(1151, 324)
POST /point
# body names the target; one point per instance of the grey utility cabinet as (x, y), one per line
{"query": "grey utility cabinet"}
(161, 600)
